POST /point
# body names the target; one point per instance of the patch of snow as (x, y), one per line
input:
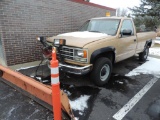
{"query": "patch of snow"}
(116, 75)
(80, 113)
(80, 103)
(68, 76)
(10, 111)
(39, 78)
(6, 96)
(154, 51)
(35, 112)
(157, 38)
(84, 34)
(76, 118)
(71, 86)
(67, 92)
(150, 67)
(120, 82)
(31, 102)
(45, 81)
(158, 42)
(23, 68)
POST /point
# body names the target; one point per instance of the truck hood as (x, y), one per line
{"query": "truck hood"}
(79, 39)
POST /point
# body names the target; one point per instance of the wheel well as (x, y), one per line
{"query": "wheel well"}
(110, 55)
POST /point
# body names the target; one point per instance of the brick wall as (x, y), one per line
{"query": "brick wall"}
(22, 20)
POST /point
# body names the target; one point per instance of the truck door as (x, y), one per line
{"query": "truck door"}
(126, 43)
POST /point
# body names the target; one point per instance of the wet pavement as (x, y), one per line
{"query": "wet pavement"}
(103, 102)
(148, 108)
(15, 106)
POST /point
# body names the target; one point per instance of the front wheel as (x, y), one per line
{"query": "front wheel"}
(101, 71)
(143, 55)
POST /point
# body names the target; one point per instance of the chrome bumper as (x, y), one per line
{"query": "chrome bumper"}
(78, 70)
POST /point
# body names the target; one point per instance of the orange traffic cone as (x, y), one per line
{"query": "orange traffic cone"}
(55, 86)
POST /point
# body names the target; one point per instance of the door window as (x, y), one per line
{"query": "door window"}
(127, 25)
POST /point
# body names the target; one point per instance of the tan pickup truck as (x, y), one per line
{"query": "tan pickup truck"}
(98, 44)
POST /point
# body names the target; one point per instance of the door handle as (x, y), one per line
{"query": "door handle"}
(134, 40)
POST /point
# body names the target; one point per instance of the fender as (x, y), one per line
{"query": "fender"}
(101, 51)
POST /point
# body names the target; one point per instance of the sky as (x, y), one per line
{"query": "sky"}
(117, 3)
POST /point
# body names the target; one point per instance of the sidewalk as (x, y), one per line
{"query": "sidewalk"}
(1, 54)
(1, 57)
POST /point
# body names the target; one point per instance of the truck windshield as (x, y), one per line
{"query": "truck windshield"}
(107, 26)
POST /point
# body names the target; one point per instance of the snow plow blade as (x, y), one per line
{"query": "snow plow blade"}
(37, 91)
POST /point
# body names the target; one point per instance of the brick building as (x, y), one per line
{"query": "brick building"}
(22, 20)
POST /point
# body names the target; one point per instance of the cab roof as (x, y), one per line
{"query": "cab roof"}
(113, 17)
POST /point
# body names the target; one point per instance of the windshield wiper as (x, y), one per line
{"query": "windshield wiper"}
(95, 31)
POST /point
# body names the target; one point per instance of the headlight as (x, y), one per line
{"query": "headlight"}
(59, 41)
(81, 53)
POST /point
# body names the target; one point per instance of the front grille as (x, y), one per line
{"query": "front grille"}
(69, 53)
(65, 53)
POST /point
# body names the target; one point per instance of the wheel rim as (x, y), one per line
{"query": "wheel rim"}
(104, 73)
(146, 53)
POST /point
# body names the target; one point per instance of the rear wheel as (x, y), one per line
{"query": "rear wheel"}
(143, 55)
(101, 71)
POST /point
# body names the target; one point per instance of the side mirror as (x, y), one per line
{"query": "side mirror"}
(126, 32)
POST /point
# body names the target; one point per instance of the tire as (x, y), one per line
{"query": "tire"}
(101, 72)
(143, 55)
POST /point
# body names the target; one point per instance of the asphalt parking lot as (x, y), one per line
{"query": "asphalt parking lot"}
(104, 103)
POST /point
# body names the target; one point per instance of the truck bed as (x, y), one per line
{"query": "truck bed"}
(142, 38)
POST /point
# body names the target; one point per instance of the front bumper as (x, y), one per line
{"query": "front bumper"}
(78, 70)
